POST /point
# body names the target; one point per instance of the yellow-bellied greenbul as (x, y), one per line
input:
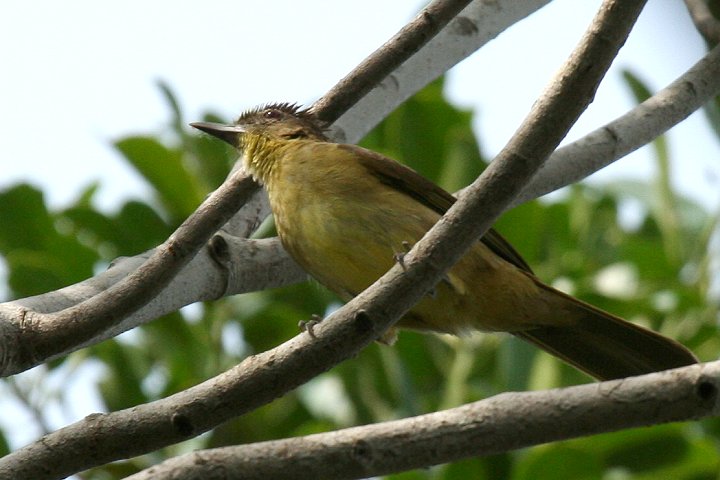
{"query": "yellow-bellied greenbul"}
(344, 213)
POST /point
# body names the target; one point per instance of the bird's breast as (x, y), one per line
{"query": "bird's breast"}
(346, 228)
(344, 232)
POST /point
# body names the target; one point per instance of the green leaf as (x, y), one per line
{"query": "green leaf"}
(515, 361)
(119, 232)
(172, 341)
(559, 461)
(539, 232)
(178, 124)
(38, 256)
(127, 366)
(4, 446)
(163, 167)
(666, 213)
(132, 240)
(494, 467)
(712, 113)
(641, 450)
(638, 88)
(26, 222)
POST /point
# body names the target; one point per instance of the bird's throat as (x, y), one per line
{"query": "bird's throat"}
(260, 155)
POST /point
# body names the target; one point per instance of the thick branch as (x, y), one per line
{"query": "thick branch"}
(261, 378)
(238, 264)
(496, 425)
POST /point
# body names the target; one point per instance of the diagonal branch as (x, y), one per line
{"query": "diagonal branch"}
(627, 133)
(475, 26)
(547, 123)
(495, 425)
(264, 377)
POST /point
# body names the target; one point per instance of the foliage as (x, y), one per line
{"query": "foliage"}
(654, 271)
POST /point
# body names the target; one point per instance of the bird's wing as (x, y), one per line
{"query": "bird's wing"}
(411, 183)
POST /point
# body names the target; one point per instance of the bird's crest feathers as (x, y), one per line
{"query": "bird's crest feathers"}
(266, 116)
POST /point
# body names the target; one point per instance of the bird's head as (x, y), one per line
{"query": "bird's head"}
(272, 122)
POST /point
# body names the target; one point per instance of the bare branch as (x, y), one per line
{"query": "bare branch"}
(239, 265)
(631, 131)
(254, 382)
(498, 424)
(261, 378)
(254, 265)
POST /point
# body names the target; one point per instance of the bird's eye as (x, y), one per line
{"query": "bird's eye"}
(272, 114)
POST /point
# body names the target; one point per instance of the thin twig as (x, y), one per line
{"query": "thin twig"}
(35, 408)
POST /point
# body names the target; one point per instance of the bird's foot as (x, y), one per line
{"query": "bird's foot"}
(399, 257)
(308, 325)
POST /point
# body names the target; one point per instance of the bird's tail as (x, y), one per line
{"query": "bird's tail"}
(605, 346)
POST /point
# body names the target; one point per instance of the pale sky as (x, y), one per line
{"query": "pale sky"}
(78, 74)
(82, 73)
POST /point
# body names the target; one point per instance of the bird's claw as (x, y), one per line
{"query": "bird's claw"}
(308, 325)
(399, 257)
(400, 260)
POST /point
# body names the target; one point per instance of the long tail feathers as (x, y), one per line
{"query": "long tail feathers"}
(607, 347)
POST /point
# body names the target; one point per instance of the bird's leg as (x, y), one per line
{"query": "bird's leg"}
(432, 293)
(308, 325)
(399, 257)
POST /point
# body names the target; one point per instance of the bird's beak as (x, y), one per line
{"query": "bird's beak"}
(226, 133)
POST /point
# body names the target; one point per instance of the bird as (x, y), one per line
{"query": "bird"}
(346, 214)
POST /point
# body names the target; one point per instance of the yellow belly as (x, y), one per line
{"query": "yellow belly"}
(346, 235)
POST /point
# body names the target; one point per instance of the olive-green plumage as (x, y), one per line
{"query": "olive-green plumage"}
(345, 213)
